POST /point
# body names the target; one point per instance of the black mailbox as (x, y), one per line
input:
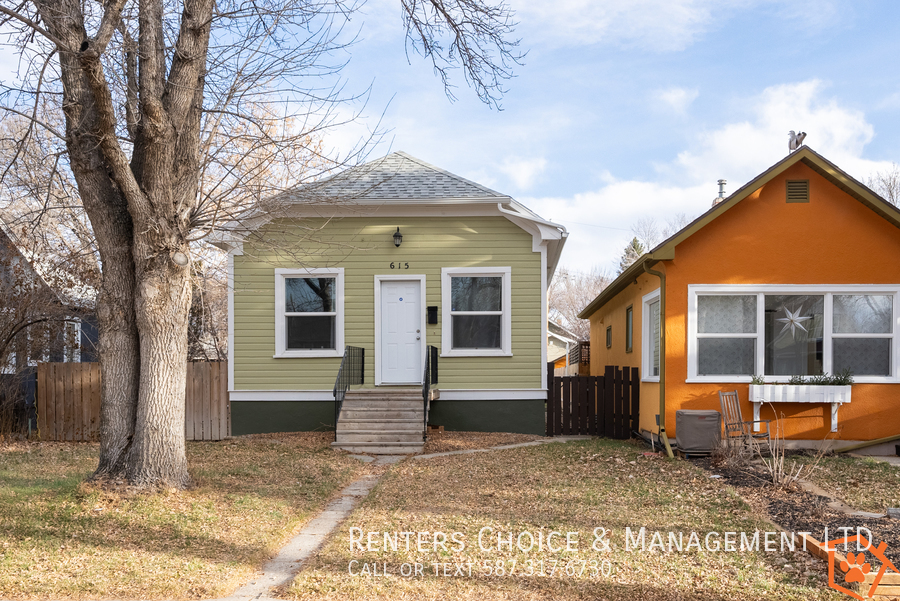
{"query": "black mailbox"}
(432, 315)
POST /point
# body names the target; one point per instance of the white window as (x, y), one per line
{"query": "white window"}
(737, 331)
(476, 311)
(309, 312)
(650, 341)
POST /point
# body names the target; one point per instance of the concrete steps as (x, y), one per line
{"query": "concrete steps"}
(381, 422)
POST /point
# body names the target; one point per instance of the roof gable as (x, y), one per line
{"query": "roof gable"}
(828, 170)
(399, 176)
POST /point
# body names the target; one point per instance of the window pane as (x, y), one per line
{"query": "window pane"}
(309, 295)
(726, 314)
(726, 356)
(629, 328)
(476, 331)
(654, 337)
(310, 332)
(794, 335)
(475, 294)
(864, 356)
(862, 314)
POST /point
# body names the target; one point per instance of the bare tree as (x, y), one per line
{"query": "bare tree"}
(148, 101)
(208, 322)
(569, 293)
(648, 234)
(887, 184)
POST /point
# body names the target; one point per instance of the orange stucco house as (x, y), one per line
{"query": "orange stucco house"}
(796, 273)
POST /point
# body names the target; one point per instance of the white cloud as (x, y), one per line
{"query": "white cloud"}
(676, 99)
(658, 25)
(600, 221)
(523, 172)
(738, 151)
(661, 25)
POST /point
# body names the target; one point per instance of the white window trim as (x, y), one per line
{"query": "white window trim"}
(505, 273)
(281, 351)
(646, 346)
(763, 289)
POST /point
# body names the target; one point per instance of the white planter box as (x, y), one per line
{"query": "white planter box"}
(805, 393)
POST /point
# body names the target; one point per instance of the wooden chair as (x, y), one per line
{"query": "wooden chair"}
(740, 432)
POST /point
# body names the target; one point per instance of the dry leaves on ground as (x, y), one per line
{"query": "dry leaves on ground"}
(574, 487)
(63, 539)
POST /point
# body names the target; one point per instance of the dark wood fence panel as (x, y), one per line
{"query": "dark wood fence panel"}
(68, 401)
(606, 405)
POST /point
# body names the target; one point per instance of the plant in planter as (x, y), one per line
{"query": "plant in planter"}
(844, 378)
(824, 388)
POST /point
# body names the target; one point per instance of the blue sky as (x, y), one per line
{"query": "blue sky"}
(627, 108)
(632, 108)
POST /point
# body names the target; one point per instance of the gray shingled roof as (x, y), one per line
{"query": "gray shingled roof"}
(399, 176)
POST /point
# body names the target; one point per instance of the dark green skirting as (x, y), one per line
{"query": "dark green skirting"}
(524, 417)
(256, 417)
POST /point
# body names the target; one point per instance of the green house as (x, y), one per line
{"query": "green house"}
(393, 256)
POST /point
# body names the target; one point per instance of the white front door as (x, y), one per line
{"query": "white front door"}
(401, 332)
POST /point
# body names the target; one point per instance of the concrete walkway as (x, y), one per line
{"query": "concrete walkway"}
(533, 443)
(282, 569)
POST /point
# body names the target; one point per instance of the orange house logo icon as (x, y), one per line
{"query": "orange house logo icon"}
(855, 566)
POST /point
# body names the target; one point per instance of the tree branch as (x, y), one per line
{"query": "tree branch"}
(33, 25)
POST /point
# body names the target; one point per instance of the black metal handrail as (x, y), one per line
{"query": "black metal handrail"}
(430, 377)
(353, 366)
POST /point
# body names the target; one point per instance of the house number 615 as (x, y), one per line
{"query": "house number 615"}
(398, 265)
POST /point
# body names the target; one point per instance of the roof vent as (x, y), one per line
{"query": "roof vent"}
(798, 190)
(721, 195)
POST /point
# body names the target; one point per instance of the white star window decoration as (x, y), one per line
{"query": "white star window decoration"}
(793, 321)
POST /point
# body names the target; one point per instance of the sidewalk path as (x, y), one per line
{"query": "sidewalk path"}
(282, 569)
(502, 447)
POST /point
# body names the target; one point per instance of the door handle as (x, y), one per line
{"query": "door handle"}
(418, 337)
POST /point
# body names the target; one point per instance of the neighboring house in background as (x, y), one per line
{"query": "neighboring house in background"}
(564, 350)
(36, 325)
(796, 273)
(468, 274)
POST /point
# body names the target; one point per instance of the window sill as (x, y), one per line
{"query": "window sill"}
(718, 379)
(476, 353)
(300, 354)
(782, 380)
(651, 380)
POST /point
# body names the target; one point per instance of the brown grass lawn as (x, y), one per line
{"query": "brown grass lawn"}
(61, 538)
(861, 482)
(556, 487)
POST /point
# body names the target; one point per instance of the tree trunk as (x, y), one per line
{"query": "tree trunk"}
(107, 210)
(163, 304)
(118, 346)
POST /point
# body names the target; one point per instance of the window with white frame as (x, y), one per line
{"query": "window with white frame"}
(650, 331)
(476, 311)
(309, 312)
(735, 332)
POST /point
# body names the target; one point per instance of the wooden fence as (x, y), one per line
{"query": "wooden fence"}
(206, 408)
(68, 401)
(606, 405)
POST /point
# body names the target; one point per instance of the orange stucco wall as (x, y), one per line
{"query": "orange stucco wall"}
(833, 239)
(613, 314)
